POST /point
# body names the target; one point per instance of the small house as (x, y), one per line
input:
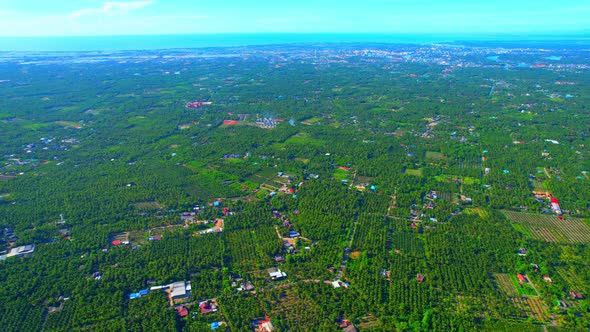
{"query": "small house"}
(246, 286)
(263, 325)
(576, 295)
(522, 278)
(350, 328)
(216, 325)
(547, 279)
(182, 311)
(22, 251)
(346, 325)
(276, 274)
(178, 291)
(420, 277)
(208, 307)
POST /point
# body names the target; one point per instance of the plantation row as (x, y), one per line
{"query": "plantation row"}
(551, 229)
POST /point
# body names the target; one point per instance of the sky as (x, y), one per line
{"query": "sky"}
(149, 17)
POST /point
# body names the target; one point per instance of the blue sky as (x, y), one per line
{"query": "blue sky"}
(96, 17)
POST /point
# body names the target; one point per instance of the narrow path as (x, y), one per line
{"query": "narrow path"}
(347, 249)
(278, 233)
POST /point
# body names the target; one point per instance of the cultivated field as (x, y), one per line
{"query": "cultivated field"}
(529, 305)
(549, 228)
(532, 307)
(571, 278)
(505, 284)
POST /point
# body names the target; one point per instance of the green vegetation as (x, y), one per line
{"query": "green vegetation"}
(97, 173)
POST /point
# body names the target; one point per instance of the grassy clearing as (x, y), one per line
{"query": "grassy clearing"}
(69, 124)
(312, 121)
(147, 205)
(414, 172)
(523, 288)
(451, 178)
(434, 155)
(36, 126)
(340, 174)
(138, 120)
(470, 181)
(195, 166)
(538, 185)
(303, 138)
(479, 211)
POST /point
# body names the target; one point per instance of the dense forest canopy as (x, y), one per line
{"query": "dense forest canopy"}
(385, 187)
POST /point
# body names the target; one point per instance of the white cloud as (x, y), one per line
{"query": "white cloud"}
(112, 8)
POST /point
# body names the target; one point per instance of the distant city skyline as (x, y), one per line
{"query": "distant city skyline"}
(149, 17)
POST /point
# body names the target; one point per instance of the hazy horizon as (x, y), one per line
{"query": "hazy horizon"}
(179, 41)
(36, 18)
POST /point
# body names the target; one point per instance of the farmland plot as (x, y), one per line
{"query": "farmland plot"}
(550, 229)
(571, 278)
(532, 307)
(504, 283)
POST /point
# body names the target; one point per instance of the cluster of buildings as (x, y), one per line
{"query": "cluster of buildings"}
(555, 208)
(197, 104)
(267, 123)
(541, 195)
(8, 235)
(178, 292)
(218, 228)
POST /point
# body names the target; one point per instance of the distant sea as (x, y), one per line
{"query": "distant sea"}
(156, 42)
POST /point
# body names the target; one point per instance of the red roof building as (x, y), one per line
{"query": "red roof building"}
(207, 307)
(182, 311)
(116, 242)
(522, 278)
